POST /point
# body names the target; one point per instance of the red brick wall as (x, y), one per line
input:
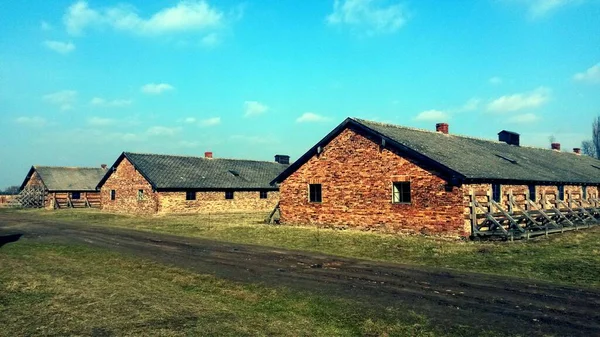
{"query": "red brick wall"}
(126, 182)
(356, 178)
(215, 202)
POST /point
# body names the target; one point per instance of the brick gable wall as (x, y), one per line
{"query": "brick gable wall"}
(356, 177)
(126, 181)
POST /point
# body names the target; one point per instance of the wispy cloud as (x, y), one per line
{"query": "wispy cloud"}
(524, 119)
(99, 121)
(516, 102)
(541, 8)
(45, 26)
(163, 131)
(185, 16)
(495, 80)
(31, 121)
(591, 75)
(311, 117)
(156, 88)
(264, 139)
(63, 99)
(59, 47)
(210, 40)
(210, 122)
(470, 105)
(98, 101)
(254, 108)
(432, 115)
(368, 17)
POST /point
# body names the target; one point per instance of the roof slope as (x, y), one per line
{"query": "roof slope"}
(68, 178)
(472, 159)
(183, 172)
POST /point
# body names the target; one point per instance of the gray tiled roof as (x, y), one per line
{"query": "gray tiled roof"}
(486, 159)
(182, 172)
(70, 178)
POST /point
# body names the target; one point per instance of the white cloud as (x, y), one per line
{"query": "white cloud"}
(539, 8)
(98, 101)
(210, 40)
(99, 121)
(185, 16)
(310, 117)
(59, 47)
(470, 105)
(189, 120)
(495, 80)
(156, 88)
(524, 119)
(369, 16)
(592, 74)
(189, 144)
(254, 108)
(163, 131)
(520, 101)
(210, 121)
(64, 99)
(31, 121)
(432, 115)
(45, 26)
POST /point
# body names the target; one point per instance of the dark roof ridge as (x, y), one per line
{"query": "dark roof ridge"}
(359, 120)
(200, 157)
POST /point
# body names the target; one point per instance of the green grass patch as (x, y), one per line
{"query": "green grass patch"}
(569, 258)
(58, 290)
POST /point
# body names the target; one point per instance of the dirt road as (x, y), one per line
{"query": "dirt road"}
(484, 302)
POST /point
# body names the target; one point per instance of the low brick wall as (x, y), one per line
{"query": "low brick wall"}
(215, 202)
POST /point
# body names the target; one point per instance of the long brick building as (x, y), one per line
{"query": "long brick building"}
(154, 183)
(376, 176)
(62, 187)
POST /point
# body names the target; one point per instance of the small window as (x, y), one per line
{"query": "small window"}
(228, 194)
(584, 192)
(401, 192)
(496, 192)
(561, 192)
(76, 195)
(263, 194)
(113, 194)
(140, 194)
(190, 195)
(532, 195)
(314, 193)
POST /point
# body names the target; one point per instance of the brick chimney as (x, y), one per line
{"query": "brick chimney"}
(577, 151)
(555, 146)
(442, 127)
(282, 159)
(208, 154)
(103, 166)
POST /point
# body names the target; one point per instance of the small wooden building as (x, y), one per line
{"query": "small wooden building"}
(377, 176)
(61, 187)
(155, 183)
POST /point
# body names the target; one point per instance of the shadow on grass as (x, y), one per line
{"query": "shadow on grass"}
(4, 239)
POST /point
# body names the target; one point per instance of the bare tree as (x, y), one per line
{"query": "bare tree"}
(596, 136)
(592, 147)
(11, 190)
(587, 147)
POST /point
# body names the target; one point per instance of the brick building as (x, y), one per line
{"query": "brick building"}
(153, 183)
(62, 187)
(376, 176)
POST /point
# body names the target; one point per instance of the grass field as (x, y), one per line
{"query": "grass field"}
(569, 258)
(59, 290)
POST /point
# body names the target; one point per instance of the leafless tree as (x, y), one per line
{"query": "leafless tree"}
(592, 147)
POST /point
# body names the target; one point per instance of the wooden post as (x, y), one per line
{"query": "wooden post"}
(473, 212)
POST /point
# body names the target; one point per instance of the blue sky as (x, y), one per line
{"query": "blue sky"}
(80, 82)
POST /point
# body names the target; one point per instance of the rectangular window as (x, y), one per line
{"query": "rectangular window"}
(496, 192)
(228, 194)
(263, 194)
(75, 195)
(190, 195)
(561, 192)
(401, 192)
(532, 195)
(314, 193)
(113, 194)
(584, 192)
(140, 194)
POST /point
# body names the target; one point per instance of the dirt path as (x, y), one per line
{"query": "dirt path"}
(510, 305)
